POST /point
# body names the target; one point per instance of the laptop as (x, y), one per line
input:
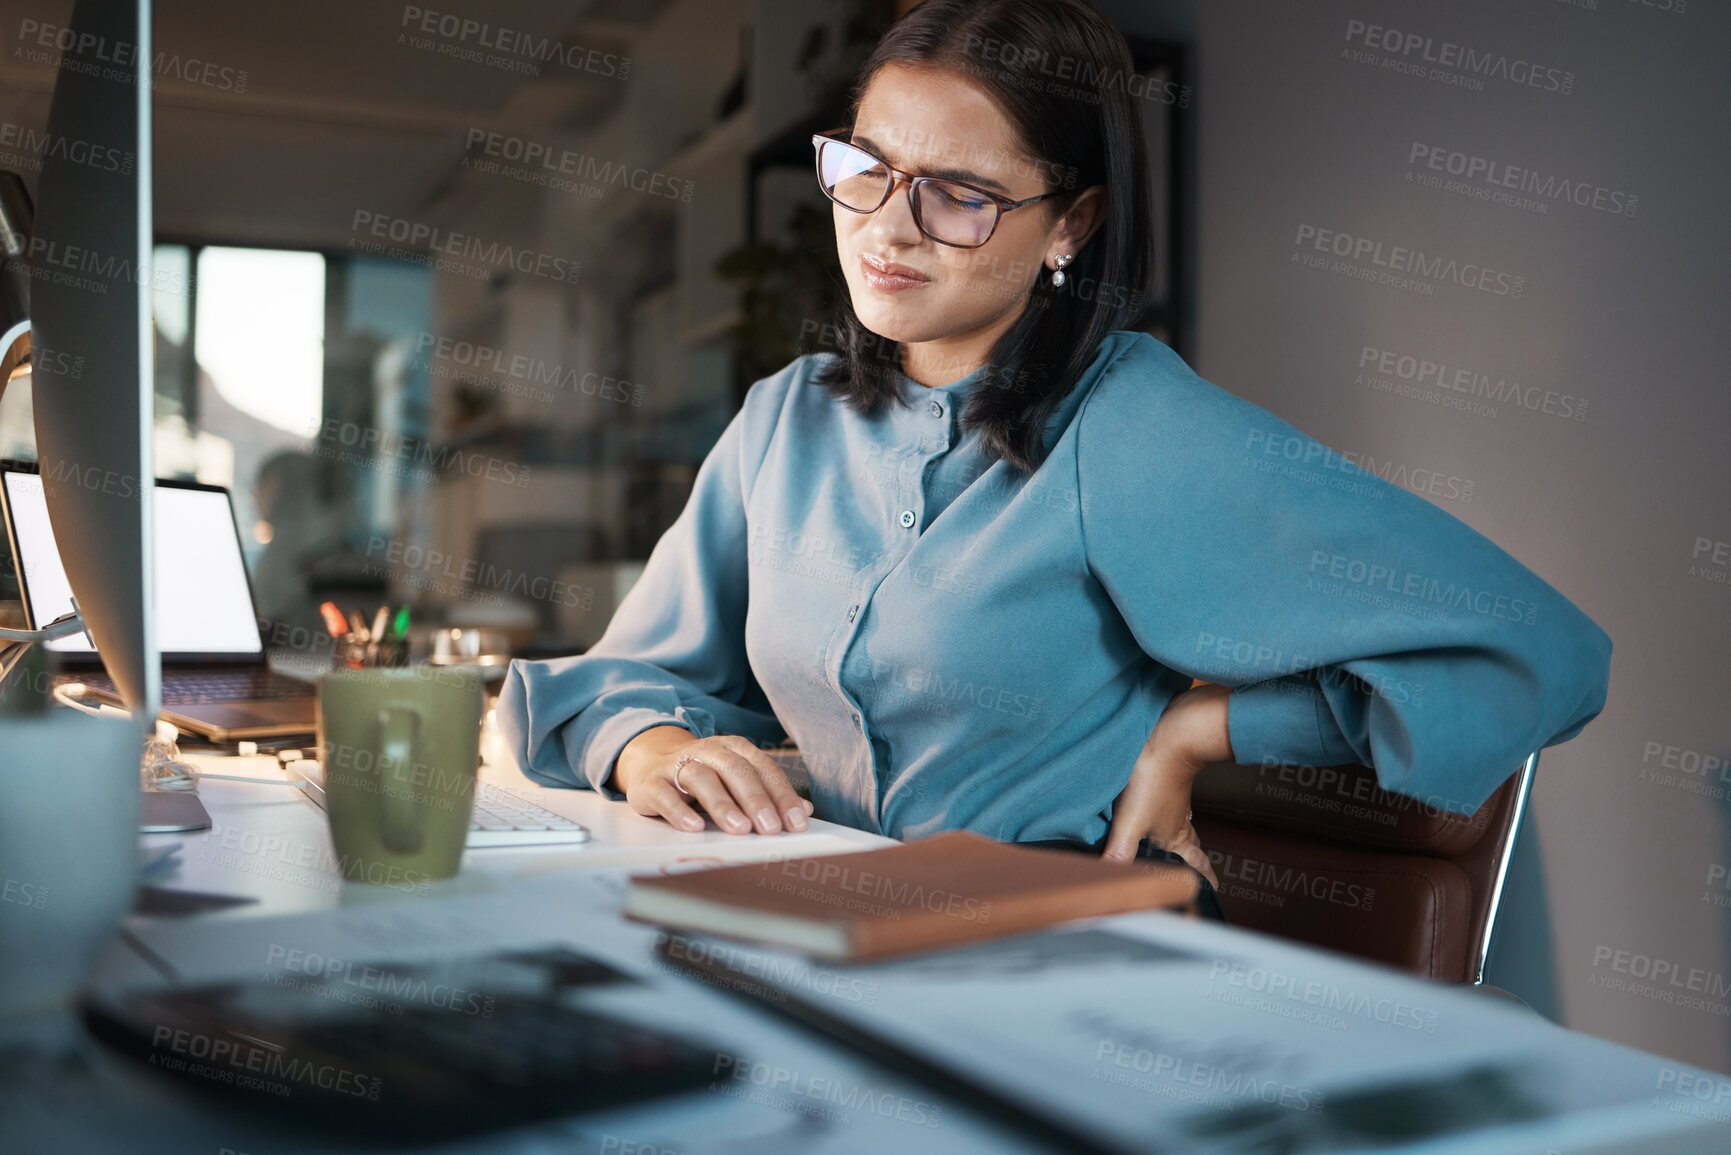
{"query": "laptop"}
(216, 678)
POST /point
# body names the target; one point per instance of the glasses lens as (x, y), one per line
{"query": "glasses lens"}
(954, 213)
(854, 178)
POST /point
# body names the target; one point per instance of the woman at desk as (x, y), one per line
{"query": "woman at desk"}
(974, 561)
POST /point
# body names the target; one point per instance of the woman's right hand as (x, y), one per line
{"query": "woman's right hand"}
(736, 784)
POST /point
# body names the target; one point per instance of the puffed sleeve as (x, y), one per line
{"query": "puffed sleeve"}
(674, 651)
(1355, 621)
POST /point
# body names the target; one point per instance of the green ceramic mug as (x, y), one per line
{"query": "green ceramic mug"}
(400, 749)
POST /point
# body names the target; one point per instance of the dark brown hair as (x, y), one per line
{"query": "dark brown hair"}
(1086, 129)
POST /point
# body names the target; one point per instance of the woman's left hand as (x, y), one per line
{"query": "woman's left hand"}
(1155, 803)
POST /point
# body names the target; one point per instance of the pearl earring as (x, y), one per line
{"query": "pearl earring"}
(1058, 273)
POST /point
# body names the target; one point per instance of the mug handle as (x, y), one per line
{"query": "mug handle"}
(399, 723)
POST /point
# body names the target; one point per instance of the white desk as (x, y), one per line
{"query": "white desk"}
(272, 845)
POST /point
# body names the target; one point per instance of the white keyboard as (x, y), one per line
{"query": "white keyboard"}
(501, 817)
(505, 818)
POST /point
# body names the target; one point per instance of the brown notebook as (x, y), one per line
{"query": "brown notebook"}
(950, 889)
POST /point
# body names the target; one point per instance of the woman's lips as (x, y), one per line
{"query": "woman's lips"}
(890, 277)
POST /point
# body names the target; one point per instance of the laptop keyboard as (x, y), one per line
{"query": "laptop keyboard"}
(207, 687)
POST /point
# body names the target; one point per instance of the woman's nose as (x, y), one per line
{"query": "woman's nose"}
(894, 223)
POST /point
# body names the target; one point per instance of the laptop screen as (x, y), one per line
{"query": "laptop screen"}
(203, 601)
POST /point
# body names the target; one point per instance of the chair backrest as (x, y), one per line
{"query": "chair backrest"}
(1324, 856)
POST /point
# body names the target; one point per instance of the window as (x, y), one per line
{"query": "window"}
(261, 353)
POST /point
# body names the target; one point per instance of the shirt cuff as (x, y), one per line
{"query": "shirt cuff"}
(1284, 720)
(614, 735)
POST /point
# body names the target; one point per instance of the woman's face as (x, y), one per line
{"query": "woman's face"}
(907, 287)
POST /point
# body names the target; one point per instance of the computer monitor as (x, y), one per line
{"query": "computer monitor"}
(92, 347)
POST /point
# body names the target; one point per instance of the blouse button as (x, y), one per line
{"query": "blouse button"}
(937, 410)
(907, 519)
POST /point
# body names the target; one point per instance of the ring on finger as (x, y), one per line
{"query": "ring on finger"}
(679, 768)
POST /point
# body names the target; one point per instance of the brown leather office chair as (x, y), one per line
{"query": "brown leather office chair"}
(1323, 856)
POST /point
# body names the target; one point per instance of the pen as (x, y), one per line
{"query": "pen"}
(400, 627)
(356, 626)
(334, 621)
(378, 631)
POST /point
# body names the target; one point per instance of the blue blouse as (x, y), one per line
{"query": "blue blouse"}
(954, 644)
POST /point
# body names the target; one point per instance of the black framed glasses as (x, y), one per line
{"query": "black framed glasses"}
(950, 212)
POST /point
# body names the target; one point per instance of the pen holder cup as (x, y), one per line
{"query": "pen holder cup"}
(357, 655)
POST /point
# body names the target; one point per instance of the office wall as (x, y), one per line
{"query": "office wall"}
(1554, 376)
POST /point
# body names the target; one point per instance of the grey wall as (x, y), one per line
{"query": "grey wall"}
(1615, 489)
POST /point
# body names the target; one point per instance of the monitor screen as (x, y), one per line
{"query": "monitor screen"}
(203, 601)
